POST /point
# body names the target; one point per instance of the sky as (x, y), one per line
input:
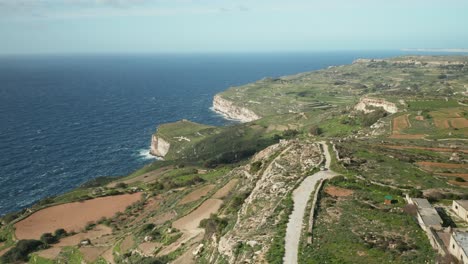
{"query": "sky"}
(187, 26)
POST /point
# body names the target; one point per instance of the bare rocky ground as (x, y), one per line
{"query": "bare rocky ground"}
(283, 166)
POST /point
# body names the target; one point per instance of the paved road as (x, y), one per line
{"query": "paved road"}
(300, 196)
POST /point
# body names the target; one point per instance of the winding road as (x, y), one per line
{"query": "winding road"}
(301, 196)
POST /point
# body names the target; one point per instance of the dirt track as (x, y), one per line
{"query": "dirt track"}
(72, 216)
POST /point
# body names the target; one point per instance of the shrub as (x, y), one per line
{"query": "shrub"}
(21, 251)
(290, 133)
(59, 233)
(372, 117)
(48, 238)
(415, 193)
(90, 225)
(213, 225)
(255, 167)
(156, 186)
(459, 179)
(315, 130)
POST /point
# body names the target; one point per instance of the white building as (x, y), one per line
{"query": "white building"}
(460, 207)
(459, 246)
(427, 216)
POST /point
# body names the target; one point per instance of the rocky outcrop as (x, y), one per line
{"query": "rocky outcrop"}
(367, 103)
(232, 111)
(159, 147)
(268, 187)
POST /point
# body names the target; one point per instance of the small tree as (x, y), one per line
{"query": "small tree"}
(48, 238)
(315, 130)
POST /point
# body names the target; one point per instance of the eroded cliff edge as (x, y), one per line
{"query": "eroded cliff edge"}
(159, 147)
(230, 110)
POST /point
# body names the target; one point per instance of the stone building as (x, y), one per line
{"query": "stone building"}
(460, 207)
(459, 246)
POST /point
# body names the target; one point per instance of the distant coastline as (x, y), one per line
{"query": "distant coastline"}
(437, 50)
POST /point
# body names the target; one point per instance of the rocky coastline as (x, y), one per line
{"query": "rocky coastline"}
(231, 111)
(159, 147)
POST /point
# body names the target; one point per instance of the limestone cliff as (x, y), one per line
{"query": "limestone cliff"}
(159, 147)
(232, 111)
(367, 102)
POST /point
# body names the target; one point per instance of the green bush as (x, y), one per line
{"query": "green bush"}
(255, 167)
(59, 233)
(48, 238)
(20, 252)
(213, 225)
(372, 117)
(290, 133)
(315, 130)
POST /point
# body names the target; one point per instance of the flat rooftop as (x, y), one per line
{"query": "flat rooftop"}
(421, 203)
(462, 240)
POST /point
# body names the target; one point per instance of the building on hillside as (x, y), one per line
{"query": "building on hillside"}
(426, 214)
(460, 207)
(459, 246)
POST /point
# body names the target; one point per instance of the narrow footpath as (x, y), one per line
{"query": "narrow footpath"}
(301, 196)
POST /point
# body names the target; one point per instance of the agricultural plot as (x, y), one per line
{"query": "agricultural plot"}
(354, 225)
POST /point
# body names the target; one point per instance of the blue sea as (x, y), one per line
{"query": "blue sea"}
(65, 119)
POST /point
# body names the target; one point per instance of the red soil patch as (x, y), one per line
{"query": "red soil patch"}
(50, 253)
(338, 192)
(459, 122)
(462, 184)
(98, 232)
(108, 256)
(441, 123)
(419, 118)
(192, 221)
(424, 148)
(461, 175)
(402, 136)
(92, 253)
(197, 194)
(127, 243)
(147, 248)
(161, 219)
(72, 216)
(224, 191)
(442, 165)
(400, 123)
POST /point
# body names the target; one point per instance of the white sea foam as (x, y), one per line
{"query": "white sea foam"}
(145, 154)
(223, 115)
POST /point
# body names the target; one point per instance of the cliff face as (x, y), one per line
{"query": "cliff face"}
(159, 147)
(231, 111)
(365, 102)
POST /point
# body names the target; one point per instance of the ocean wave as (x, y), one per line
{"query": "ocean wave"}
(145, 155)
